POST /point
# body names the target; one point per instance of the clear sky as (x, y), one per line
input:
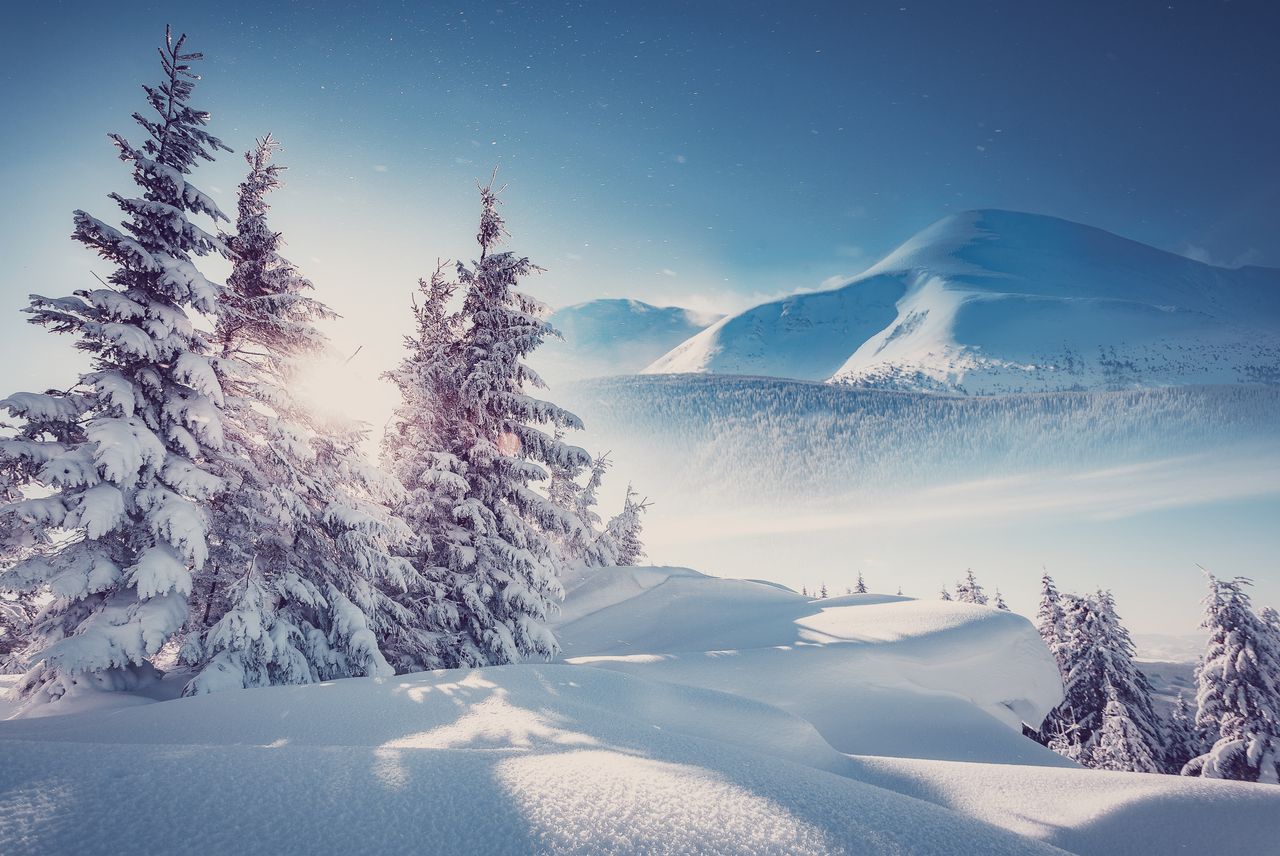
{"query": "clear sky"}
(705, 154)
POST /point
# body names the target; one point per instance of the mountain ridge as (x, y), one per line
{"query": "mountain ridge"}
(994, 301)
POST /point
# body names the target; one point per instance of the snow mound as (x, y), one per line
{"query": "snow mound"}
(998, 301)
(532, 759)
(870, 672)
(669, 742)
(614, 336)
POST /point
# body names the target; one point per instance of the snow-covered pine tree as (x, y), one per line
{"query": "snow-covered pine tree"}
(417, 447)
(861, 586)
(123, 453)
(1238, 694)
(19, 538)
(588, 544)
(822, 592)
(946, 595)
(1184, 741)
(469, 465)
(1106, 718)
(969, 591)
(1121, 745)
(302, 582)
(624, 529)
(900, 591)
(1049, 619)
(602, 549)
(1000, 604)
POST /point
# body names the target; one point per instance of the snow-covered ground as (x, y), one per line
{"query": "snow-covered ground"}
(692, 715)
(999, 301)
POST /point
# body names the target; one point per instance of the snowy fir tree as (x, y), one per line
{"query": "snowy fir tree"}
(302, 583)
(1106, 719)
(1184, 741)
(418, 447)
(1000, 604)
(624, 530)
(19, 539)
(1049, 617)
(822, 592)
(969, 591)
(587, 544)
(469, 466)
(946, 595)
(861, 586)
(123, 453)
(1238, 690)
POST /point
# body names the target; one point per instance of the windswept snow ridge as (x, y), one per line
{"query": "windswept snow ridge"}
(998, 301)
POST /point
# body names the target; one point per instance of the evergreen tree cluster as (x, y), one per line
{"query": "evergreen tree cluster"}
(178, 502)
(1235, 733)
(969, 590)
(1107, 720)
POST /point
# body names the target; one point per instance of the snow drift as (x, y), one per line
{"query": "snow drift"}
(695, 715)
(997, 301)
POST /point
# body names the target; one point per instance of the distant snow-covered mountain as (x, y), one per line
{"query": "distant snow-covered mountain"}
(615, 336)
(997, 301)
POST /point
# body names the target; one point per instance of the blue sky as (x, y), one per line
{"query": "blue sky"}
(706, 154)
(661, 150)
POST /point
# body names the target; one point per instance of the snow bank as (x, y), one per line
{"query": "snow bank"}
(533, 759)
(1093, 811)
(696, 715)
(873, 673)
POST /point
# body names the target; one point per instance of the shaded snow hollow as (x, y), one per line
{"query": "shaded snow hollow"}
(693, 715)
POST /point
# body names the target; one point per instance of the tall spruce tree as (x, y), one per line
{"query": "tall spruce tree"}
(1049, 617)
(1106, 718)
(124, 452)
(861, 586)
(470, 465)
(302, 583)
(1238, 694)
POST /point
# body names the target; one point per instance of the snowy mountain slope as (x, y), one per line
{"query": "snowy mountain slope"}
(614, 336)
(998, 301)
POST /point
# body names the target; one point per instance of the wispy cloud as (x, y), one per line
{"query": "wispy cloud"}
(1195, 252)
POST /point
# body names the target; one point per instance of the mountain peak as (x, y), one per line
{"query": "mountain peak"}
(997, 301)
